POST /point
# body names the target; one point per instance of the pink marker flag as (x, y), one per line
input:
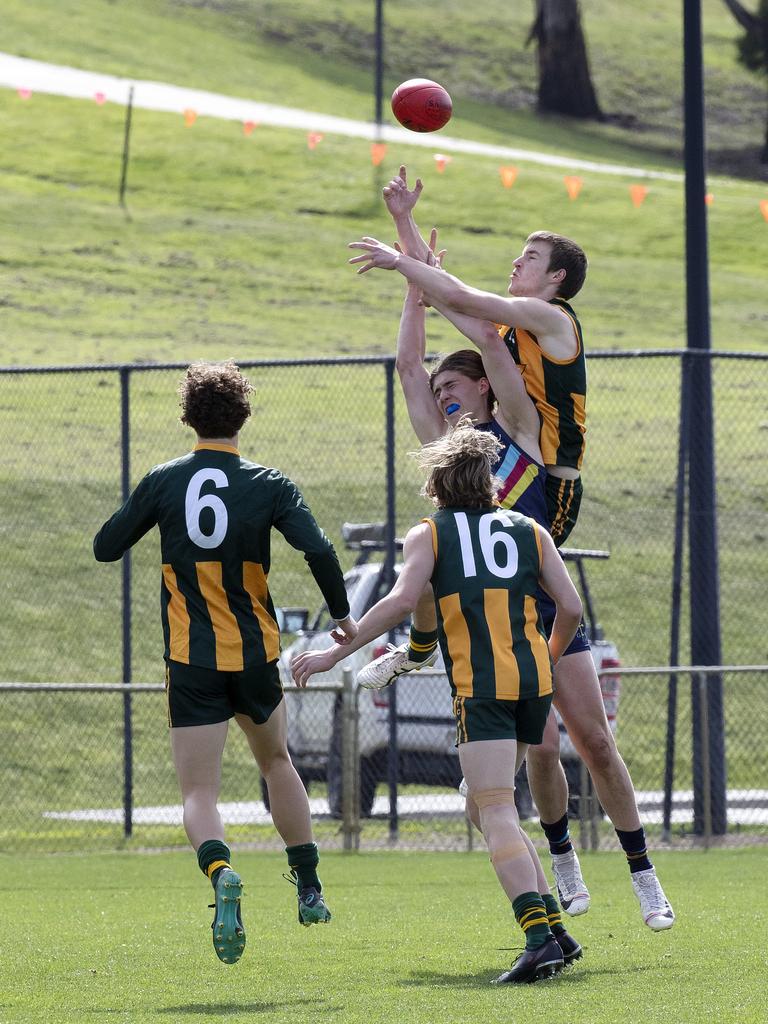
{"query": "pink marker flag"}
(24, 94)
(314, 139)
(441, 161)
(764, 208)
(508, 176)
(573, 185)
(248, 127)
(378, 152)
(637, 194)
(100, 98)
(190, 116)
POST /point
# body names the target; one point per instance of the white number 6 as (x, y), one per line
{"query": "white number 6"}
(194, 503)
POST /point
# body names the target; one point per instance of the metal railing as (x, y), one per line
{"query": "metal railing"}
(64, 730)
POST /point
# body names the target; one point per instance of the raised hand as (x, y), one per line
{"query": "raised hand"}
(400, 200)
(375, 255)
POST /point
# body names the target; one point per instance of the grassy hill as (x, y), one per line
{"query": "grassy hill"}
(236, 246)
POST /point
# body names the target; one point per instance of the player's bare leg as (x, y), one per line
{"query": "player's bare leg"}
(289, 806)
(579, 701)
(420, 651)
(197, 752)
(489, 769)
(288, 801)
(549, 789)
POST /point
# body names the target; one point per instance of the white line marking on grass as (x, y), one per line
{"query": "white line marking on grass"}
(21, 72)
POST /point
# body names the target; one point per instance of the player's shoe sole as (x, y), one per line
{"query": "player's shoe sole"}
(228, 931)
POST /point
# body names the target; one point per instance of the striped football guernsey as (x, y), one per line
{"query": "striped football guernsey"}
(521, 479)
(487, 564)
(558, 388)
(215, 511)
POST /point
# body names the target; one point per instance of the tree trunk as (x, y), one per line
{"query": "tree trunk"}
(565, 85)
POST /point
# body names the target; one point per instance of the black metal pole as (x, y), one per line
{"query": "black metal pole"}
(126, 146)
(393, 753)
(125, 450)
(676, 602)
(702, 526)
(378, 84)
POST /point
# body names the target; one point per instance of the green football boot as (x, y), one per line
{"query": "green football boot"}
(228, 931)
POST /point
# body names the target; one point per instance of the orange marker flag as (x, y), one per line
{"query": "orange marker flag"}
(764, 208)
(378, 152)
(709, 198)
(190, 116)
(248, 127)
(24, 94)
(314, 139)
(441, 160)
(573, 185)
(100, 98)
(637, 194)
(508, 176)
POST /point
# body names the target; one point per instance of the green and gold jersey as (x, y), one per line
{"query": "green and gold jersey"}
(558, 388)
(215, 511)
(487, 564)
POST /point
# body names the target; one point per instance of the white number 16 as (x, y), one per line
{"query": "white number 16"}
(491, 543)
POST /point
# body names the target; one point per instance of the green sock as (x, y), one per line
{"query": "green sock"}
(553, 914)
(421, 645)
(531, 915)
(213, 856)
(303, 859)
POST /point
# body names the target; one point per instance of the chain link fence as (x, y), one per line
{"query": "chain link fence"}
(75, 438)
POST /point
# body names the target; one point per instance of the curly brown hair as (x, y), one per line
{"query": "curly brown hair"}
(458, 465)
(214, 399)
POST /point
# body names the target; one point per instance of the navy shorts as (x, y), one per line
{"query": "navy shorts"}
(205, 696)
(546, 605)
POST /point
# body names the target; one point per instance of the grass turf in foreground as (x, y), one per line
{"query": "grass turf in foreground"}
(414, 938)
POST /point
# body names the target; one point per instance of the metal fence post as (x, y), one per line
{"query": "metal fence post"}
(125, 458)
(350, 764)
(393, 751)
(702, 682)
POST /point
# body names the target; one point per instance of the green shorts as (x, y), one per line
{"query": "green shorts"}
(203, 696)
(563, 503)
(481, 719)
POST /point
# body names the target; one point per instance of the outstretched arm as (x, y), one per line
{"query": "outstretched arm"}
(400, 201)
(418, 564)
(516, 410)
(554, 578)
(534, 315)
(423, 412)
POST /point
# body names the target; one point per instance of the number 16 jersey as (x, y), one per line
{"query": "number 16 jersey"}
(487, 564)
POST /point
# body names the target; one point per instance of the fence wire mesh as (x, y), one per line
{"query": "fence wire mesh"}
(329, 427)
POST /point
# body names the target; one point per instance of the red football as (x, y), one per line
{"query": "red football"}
(421, 105)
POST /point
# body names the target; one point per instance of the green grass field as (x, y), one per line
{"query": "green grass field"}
(414, 938)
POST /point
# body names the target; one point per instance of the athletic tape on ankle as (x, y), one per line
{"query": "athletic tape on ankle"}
(215, 866)
(488, 797)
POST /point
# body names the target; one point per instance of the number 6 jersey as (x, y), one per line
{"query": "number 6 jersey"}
(215, 511)
(486, 575)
